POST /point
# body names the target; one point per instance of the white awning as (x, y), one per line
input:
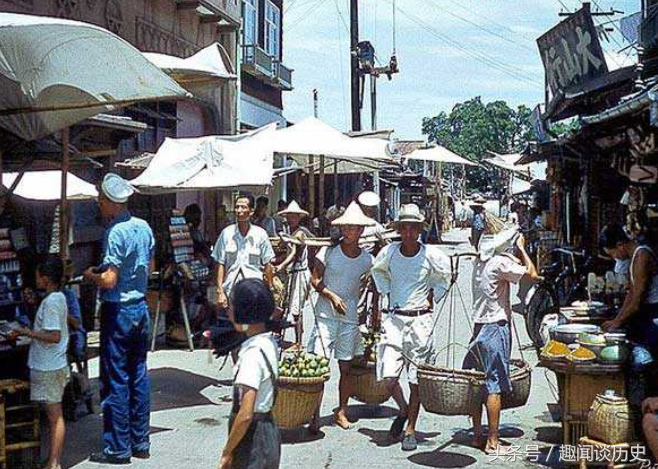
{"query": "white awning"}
(439, 154)
(313, 137)
(211, 162)
(209, 64)
(55, 73)
(508, 163)
(46, 186)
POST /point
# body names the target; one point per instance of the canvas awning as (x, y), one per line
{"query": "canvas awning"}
(212, 162)
(55, 73)
(46, 186)
(313, 137)
(438, 154)
(210, 64)
(509, 162)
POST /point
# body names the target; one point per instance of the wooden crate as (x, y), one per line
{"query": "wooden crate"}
(580, 390)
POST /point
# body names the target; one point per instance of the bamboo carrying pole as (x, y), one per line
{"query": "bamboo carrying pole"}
(63, 204)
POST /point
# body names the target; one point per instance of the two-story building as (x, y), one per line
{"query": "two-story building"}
(263, 75)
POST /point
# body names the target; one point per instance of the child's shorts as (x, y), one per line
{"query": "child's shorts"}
(47, 387)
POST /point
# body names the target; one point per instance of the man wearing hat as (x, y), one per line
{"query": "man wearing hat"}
(414, 276)
(336, 277)
(297, 260)
(122, 278)
(479, 223)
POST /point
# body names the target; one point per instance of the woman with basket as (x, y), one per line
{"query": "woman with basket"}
(336, 277)
(254, 441)
(503, 260)
(414, 276)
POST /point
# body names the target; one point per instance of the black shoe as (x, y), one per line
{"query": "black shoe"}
(142, 454)
(396, 428)
(102, 458)
(409, 443)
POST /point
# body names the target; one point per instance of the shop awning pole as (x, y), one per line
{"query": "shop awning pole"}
(335, 182)
(63, 208)
(311, 188)
(321, 185)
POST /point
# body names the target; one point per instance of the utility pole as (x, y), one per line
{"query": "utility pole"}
(354, 68)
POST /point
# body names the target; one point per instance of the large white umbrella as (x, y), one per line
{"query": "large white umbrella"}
(55, 73)
(438, 154)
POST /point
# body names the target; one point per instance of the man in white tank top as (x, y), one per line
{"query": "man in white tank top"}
(414, 276)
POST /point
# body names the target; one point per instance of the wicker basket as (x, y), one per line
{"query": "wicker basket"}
(365, 386)
(297, 400)
(610, 420)
(446, 391)
(521, 378)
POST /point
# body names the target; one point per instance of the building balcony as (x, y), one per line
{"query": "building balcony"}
(225, 13)
(282, 76)
(257, 62)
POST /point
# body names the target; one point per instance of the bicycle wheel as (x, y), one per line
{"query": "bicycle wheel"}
(542, 303)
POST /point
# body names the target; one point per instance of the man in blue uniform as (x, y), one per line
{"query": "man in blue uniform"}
(122, 279)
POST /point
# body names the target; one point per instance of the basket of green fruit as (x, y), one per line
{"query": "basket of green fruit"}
(365, 387)
(300, 386)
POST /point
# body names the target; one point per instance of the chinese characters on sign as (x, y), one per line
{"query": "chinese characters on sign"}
(571, 52)
(574, 454)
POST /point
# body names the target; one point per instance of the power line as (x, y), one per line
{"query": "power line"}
(307, 14)
(480, 27)
(490, 61)
(342, 68)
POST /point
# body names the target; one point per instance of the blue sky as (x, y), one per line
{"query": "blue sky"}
(443, 58)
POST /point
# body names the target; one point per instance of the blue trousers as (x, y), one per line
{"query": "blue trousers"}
(125, 385)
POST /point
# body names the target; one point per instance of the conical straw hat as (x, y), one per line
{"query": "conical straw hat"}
(293, 208)
(353, 216)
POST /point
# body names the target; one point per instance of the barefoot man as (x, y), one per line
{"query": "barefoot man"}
(414, 276)
(336, 277)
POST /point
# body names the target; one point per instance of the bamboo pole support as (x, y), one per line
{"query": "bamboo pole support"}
(63, 204)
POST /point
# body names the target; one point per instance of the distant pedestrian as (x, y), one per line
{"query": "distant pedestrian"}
(262, 218)
(479, 223)
(297, 266)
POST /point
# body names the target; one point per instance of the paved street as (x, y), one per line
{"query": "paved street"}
(191, 402)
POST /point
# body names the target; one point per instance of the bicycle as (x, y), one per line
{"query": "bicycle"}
(563, 283)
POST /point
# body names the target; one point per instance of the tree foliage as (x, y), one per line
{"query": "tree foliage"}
(472, 128)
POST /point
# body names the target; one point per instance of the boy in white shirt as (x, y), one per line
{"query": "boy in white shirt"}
(335, 277)
(414, 276)
(49, 368)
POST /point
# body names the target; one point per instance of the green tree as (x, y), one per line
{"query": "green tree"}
(472, 128)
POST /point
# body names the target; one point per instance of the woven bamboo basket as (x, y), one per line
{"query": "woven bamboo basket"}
(610, 420)
(521, 377)
(365, 386)
(297, 400)
(446, 391)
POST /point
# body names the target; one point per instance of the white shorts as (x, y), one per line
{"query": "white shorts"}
(338, 338)
(411, 336)
(299, 294)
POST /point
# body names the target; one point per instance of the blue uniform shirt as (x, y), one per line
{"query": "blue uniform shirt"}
(128, 246)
